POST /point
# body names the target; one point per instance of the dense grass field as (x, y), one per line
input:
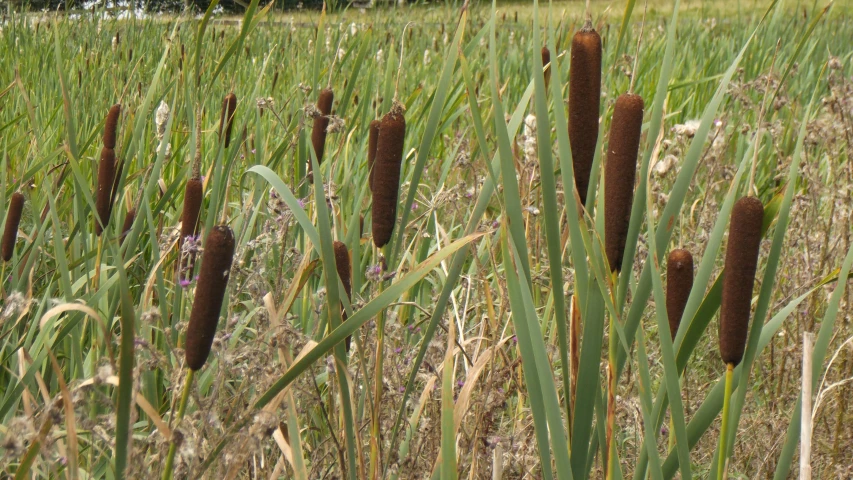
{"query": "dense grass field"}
(490, 334)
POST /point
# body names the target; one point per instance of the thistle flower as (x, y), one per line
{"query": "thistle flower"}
(386, 180)
(679, 282)
(584, 100)
(739, 277)
(209, 295)
(619, 173)
(226, 119)
(13, 221)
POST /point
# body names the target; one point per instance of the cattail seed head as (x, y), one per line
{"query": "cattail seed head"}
(679, 282)
(546, 59)
(342, 263)
(739, 277)
(386, 180)
(321, 123)
(210, 292)
(111, 126)
(344, 267)
(128, 224)
(372, 139)
(13, 221)
(584, 102)
(193, 195)
(619, 174)
(104, 194)
(226, 120)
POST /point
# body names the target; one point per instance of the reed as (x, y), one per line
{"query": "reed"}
(13, 221)
(679, 282)
(209, 295)
(386, 180)
(321, 123)
(127, 225)
(619, 174)
(111, 126)
(226, 119)
(739, 277)
(546, 62)
(344, 268)
(104, 193)
(372, 140)
(584, 103)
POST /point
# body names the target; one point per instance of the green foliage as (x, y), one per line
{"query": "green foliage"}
(491, 261)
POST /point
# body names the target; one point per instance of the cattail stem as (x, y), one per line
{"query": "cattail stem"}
(611, 389)
(724, 430)
(182, 407)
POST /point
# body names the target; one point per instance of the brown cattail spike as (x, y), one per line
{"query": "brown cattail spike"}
(739, 277)
(546, 60)
(679, 282)
(386, 180)
(193, 196)
(372, 139)
(104, 195)
(226, 120)
(13, 221)
(111, 126)
(344, 267)
(619, 174)
(584, 99)
(212, 282)
(128, 224)
(321, 123)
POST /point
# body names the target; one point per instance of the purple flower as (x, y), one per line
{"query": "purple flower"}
(185, 282)
(398, 350)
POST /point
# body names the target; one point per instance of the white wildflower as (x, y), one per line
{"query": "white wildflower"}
(426, 57)
(161, 118)
(664, 165)
(15, 302)
(336, 124)
(688, 129)
(353, 28)
(379, 56)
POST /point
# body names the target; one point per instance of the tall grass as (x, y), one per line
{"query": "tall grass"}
(463, 333)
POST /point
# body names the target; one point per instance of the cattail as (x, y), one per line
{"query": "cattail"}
(212, 282)
(546, 60)
(111, 126)
(226, 120)
(321, 122)
(386, 180)
(739, 277)
(372, 139)
(13, 220)
(193, 195)
(619, 173)
(584, 98)
(128, 224)
(106, 180)
(342, 263)
(679, 282)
